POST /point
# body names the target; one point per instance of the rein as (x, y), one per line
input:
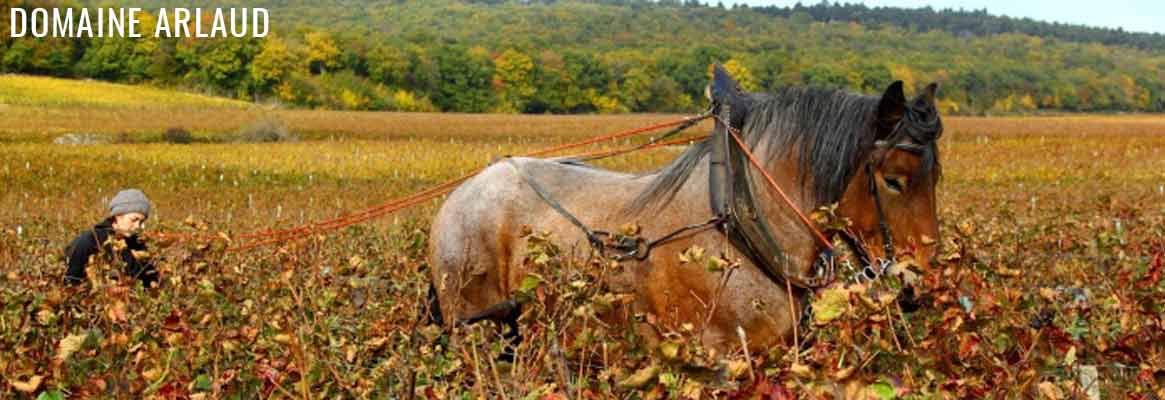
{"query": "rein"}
(736, 213)
(872, 269)
(617, 246)
(625, 246)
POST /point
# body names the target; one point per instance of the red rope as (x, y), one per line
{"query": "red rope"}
(271, 236)
(616, 135)
(773, 185)
(604, 153)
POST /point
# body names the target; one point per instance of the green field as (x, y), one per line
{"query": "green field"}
(1055, 219)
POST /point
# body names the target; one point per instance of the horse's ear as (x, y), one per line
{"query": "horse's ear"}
(927, 97)
(930, 91)
(890, 109)
(724, 88)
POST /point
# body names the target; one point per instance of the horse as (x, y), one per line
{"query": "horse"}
(874, 156)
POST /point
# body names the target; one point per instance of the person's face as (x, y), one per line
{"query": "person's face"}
(129, 224)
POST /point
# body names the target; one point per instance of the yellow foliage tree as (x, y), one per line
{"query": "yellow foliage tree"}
(512, 79)
(273, 63)
(1137, 96)
(322, 53)
(739, 72)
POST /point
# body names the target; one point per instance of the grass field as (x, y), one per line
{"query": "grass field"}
(1058, 224)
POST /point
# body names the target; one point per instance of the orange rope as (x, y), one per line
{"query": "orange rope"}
(271, 236)
(617, 135)
(773, 185)
(604, 153)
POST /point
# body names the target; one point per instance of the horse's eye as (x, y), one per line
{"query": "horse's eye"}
(894, 183)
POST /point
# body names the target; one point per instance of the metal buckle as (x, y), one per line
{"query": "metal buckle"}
(872, 272)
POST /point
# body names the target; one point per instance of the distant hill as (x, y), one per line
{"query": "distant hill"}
(968, 22)
(55, 92)
(620, 56)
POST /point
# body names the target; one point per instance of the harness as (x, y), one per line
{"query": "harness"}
(737, 215)
(616, 246)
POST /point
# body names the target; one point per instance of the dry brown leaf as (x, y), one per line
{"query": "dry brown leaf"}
(29, 386)
(69, 345)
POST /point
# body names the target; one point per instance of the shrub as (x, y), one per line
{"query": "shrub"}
(266, 130)
(177, 135)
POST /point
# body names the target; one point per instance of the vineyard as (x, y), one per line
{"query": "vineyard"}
(1050, 280)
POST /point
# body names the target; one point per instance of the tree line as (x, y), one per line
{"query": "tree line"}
(608, 57)
(967, 22)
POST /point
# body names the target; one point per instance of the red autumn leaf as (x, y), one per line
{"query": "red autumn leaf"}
(776, 392)
(173, 390)
(1153, 275)
(1146, 375)
(267, 373)
(968, 345)
(173, 322)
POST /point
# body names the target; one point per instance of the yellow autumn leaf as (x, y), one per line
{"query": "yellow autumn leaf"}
(831, 305)
(1008, 272)
(29, 386)
(1049, 390)
(669, 350)
(801, 370)
(639, 378)
(116, 312)
(692, 254)
(69, 345)
(844, 373)
(736, 368)
(927, 240)
(151, 374)
(691, 390)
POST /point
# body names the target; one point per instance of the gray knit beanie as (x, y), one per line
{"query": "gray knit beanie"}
(128, 201)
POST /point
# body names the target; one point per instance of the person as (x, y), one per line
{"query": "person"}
(128, 212)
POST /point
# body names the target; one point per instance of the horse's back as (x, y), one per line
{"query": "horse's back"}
(474, 235)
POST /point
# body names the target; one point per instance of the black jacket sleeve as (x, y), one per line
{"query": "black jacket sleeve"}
(142, 269)
(92, 242)
(78, 253)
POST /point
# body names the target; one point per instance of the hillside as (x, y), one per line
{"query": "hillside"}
(972, 22)
(24, 90)
(619, 56)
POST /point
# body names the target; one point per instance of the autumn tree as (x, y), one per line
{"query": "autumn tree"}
(512, 80)
(322, 53)
(274, 63)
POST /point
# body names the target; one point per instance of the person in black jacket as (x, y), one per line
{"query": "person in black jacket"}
(116, 240)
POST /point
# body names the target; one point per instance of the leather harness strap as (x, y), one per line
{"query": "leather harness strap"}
(732, 198)
(736, 213)
(615, 246)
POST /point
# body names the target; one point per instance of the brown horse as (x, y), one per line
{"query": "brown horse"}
(875, 156)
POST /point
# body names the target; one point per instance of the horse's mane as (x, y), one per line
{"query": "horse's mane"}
(831, 131)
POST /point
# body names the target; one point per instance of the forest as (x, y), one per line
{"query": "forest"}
(613, 56)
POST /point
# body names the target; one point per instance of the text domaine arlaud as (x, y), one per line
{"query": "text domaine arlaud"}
(126, 22)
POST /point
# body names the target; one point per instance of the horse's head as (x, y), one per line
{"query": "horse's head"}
(876, 157)
(898, 176)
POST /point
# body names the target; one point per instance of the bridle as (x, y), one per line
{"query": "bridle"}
(900, 138)
(737, 216)
(752, 241)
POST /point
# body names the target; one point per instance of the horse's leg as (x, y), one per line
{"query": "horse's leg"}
(466, 252)
(433, 314)
(503, 313)
(473, 236)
